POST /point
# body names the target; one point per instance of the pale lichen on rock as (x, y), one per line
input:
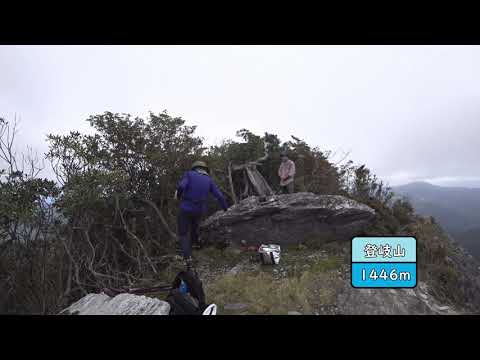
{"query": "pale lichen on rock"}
(122, 304)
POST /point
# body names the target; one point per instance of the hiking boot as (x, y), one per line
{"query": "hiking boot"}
(178, 249)
(189, 263)
(199, 244)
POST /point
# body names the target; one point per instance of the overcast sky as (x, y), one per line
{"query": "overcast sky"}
(409, 113)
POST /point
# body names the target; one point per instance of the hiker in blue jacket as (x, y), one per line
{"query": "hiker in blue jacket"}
(193, 191)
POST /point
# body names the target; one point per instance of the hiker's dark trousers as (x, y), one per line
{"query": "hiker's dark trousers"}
(188, 222)
(287, 189)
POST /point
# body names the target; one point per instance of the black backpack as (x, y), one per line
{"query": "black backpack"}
(191, 303)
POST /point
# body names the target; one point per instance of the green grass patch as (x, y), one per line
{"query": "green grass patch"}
(324, 265)
(220, 257)
(262, 293)
(303, 280)
(315, 241)
(310, 281)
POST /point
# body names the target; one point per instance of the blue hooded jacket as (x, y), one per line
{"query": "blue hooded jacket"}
(194, 188)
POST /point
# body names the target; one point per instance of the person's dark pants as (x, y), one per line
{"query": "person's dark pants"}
(287, 189)
(188, 221)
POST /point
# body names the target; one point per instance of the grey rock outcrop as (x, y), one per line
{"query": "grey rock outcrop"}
(418, 301)
(122, 304)
(287, 219)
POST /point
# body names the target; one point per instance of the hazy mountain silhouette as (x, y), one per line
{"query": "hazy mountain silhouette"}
(456, 209)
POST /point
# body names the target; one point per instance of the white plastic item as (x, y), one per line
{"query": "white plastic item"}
(269, 254)
(210, 310)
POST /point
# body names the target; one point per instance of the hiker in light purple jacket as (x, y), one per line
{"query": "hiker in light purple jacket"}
(286, 172)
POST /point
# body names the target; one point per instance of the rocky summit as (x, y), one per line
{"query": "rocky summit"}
(287, 219)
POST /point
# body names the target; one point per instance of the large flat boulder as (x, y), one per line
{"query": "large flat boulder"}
(287, 219)
(122, 304)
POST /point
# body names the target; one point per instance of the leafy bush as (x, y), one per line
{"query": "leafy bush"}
(109, 220)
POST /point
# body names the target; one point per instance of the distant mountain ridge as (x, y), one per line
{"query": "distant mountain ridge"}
(456, 209)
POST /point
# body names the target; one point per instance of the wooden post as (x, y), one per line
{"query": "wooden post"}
(253, 179)
(245, 179)
(234, 198)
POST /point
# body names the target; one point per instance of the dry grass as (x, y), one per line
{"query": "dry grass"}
(302, 289)
(433, 250)
(262, 293)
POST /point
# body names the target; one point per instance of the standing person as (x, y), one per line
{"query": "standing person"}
(286, 172)
(193, 191)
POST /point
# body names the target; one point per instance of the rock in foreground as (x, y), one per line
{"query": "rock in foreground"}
(287, 219)
(122, 304)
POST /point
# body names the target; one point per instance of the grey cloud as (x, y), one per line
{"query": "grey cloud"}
(408, 112)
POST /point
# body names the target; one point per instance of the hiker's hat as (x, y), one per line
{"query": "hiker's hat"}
(200, 164)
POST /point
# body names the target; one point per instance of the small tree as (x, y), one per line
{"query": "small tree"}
(403, 211)
(26, 221)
